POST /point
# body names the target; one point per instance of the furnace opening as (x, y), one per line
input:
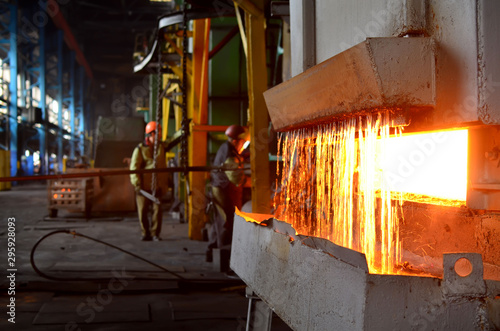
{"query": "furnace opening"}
(428, 167)
(347, 182)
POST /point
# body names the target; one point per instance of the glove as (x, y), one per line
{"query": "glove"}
(237, 177)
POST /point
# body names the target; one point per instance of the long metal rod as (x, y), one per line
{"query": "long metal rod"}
(223, 42)
(118, 172)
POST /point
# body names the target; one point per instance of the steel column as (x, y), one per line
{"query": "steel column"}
(198, 111)
(59, 97)
(257, 84)
(13, 88)
(81, 107)
(72, 103)
(44, 155)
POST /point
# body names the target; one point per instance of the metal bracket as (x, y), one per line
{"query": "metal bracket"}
(259, 317)
(463, 275)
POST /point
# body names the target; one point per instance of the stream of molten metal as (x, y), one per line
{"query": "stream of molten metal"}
(334, 186)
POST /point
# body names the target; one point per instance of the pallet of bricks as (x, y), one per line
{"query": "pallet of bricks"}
(74, 195)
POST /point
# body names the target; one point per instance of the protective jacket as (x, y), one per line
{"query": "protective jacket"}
(227, 157)
(142, 158)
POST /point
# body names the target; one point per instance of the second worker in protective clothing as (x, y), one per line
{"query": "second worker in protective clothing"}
(227, 187)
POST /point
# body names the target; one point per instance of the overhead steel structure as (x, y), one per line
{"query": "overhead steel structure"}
(45, 81)
(184, 83)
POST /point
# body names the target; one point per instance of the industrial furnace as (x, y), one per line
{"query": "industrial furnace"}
(386, 213)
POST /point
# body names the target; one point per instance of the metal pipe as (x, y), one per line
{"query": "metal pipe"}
(118, 172)
(227, 38)
(59, 20)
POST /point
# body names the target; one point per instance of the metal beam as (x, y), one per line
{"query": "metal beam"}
(13, 89)
(60, 68)
(197, 140)
(81, 106)
(42, 83)
(72, 109)
(257, 84)
(227, 38)
(60, 22)
(210, 128)
(249, 7)
(280, 8)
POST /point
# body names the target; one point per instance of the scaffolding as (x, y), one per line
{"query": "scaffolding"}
(42, 88)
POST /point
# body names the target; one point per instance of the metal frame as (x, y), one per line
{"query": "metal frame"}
(80, 109)
(27, 55)
(59, 88)
(12, 57)
(257, 84)
(71, 100)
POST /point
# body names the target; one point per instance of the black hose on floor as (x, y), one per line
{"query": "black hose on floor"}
(74, 233)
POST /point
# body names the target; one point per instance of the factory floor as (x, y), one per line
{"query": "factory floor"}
(105, 288)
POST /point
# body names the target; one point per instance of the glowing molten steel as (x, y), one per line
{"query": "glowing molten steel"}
(337, 183)
(432, 164)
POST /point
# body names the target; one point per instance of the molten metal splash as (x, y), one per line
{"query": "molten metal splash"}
(332, 188)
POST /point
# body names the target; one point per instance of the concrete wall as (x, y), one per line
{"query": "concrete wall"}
(457, 26)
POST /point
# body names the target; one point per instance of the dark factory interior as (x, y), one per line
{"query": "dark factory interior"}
(250, 165)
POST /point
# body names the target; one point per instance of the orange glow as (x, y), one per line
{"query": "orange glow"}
(430, 164)
(63, 190)
(330, 188)
(69, 190)
(55, 196)
(344, 182)
(254, 218)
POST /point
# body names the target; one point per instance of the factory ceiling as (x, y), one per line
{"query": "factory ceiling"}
(107, 30)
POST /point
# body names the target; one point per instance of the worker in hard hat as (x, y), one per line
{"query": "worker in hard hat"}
(227, 187)
(143, 158)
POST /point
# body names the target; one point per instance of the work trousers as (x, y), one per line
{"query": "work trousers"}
(143, 205)
(227, 198)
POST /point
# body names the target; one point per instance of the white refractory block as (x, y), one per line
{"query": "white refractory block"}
(465, 32)
(313, 284)
(375, 74)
